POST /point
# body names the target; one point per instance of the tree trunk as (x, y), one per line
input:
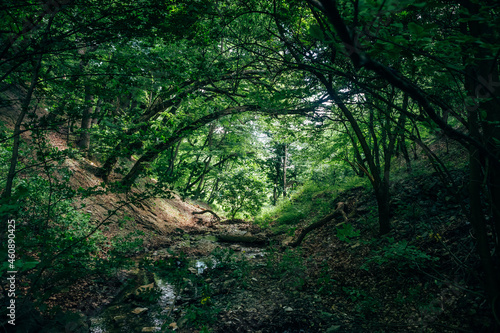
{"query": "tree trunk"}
(84, 140)
(480, 81)
(380, 186)
(285, 150)
(404, 150)
(215, 188)
(384, 212)
(17, 130)
(275, 195)
(173, 157)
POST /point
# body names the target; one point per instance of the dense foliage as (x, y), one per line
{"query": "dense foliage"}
(237, 104)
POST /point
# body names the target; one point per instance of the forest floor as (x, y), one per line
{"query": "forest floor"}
(422, 277)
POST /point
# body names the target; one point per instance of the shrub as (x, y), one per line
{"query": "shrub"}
(400, 255)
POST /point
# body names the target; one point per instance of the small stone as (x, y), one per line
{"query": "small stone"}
(148, 329)
(173, 326)
(145, 288)
(139, 310)
(333, 328)
(235, 247)
(288, 309)
(193, 270)
(119, 319)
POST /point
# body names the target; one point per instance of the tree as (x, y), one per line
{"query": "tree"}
(480, 76)
(242, 190)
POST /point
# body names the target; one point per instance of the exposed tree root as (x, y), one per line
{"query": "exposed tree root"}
(337, 213)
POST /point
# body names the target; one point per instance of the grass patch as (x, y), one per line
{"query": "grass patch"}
(308, 203)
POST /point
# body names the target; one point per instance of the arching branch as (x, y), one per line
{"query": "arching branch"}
(207, 211)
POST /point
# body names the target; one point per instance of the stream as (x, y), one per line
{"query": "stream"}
(128, 314)
(124, 316)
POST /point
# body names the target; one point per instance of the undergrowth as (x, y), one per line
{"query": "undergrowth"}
(308, 203)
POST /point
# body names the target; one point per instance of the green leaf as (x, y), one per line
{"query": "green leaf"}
(483, 114)
(316, 32)
(419, 5)
(415, 29)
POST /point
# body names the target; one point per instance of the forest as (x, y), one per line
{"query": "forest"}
(261, 166)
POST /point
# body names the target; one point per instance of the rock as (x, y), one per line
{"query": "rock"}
(209, 238)
(173, 326)
(148, 329)
(145, 288)
(235, 247)
(287, 241)
(138, 311)
(119, 319)
(193, 270)
(288, 309)
(206, 246)
(261, 235)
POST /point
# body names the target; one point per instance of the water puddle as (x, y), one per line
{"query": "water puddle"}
(202, 265)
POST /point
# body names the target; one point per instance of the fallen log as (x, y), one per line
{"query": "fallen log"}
(337, 213)
(246, 238)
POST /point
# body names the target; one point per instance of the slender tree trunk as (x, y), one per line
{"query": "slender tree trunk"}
(384, 212)
(481, 84)
(17, 129)
(380, 188)
(215, 188)
(84, 140)
(173, 157)
(285, 151)
(404, 150)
